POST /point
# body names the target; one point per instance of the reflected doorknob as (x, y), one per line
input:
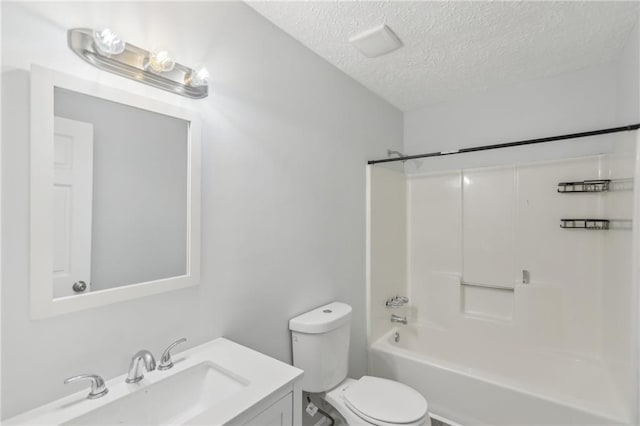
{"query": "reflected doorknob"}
(79, 286)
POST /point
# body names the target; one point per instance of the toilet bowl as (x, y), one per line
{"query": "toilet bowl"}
(320, 341)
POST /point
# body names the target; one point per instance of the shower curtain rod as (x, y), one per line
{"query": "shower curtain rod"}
(628, 128)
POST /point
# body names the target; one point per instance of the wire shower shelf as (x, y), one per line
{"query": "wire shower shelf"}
(592, 224)
(600, 185)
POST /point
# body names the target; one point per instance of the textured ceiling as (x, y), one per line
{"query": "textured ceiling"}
(451, 48)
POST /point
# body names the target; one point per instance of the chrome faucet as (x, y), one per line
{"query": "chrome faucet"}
(396, 302)
(165, 360)
(398, 319)
(98, 387)
(135, 369)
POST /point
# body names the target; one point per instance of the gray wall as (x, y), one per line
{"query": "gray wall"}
(567, 103)
(139, 214)
(285, 139)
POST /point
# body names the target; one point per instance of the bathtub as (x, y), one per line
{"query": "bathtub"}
(472, 383)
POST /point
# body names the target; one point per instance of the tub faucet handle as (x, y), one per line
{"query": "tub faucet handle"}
(396, 302)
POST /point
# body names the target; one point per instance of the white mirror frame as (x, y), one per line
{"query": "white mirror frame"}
(43, 305)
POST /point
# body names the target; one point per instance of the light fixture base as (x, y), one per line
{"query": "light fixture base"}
(131, 64)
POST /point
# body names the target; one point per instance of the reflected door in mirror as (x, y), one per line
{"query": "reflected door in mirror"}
(72, 205)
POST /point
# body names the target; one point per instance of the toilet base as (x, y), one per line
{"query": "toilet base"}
(318, 399)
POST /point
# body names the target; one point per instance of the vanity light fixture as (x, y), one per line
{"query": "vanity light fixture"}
(199, 77)
(103, 49)
(108, 42)
(161, 61)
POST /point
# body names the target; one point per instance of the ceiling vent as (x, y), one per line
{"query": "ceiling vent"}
(376, 41)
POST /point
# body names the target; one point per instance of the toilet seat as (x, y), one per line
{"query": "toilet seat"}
(379, 402)
(382, 402)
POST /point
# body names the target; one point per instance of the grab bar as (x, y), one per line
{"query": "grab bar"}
(495, 287)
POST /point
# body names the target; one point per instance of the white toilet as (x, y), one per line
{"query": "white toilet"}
(321, 348)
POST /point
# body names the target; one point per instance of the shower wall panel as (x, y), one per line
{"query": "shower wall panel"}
(486, 226)
(488, 205)
(387, 245)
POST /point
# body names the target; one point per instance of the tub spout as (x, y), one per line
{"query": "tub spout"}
(398, 319)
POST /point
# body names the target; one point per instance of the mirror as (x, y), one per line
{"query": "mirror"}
(119, 194)
(115, 195)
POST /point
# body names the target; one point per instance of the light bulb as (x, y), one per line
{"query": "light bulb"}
(108, 42)
(161, 61)
(200, 77)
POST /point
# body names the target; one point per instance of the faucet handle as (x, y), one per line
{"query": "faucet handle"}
(396, 302)
(165, 360)
(98, 387)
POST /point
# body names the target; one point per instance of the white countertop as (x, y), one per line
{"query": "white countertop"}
(264, 375)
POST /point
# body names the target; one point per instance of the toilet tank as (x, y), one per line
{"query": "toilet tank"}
(320, 340)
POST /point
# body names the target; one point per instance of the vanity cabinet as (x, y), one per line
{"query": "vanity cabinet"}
(278, 414)
(283, 407)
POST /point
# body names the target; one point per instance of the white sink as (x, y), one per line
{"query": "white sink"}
(174, 400)
(216, 383)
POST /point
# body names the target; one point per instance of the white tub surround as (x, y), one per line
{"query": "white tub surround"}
(504, 304)
(387, 246)
(253, 388)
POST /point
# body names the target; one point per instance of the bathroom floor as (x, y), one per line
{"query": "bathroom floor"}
(339, 421)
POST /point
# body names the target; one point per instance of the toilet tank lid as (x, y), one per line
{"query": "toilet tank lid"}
(322, 319)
